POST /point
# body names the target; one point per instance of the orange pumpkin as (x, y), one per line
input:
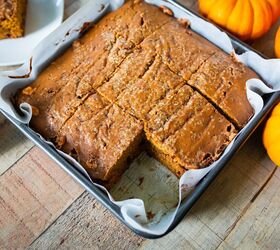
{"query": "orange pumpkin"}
(277, 43)
(247, 19)
(275, 5)
(271, 136)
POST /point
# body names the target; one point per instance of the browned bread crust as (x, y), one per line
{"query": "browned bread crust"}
(102, 137)
(140, 66)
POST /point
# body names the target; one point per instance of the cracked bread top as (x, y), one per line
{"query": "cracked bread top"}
(90, 62)
(41, 93)
(144, 66)
(223, 80)
(188, 128)
(145, 93)
(216, 75)
(99, 135)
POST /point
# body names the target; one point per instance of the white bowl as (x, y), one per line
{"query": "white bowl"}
(42, 17)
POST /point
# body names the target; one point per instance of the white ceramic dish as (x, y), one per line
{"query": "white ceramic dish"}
(42, 17)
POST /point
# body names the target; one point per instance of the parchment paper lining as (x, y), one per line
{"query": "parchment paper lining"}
(133, 210)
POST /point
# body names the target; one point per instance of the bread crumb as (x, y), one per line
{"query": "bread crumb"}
(35, 111)
(60, 141)
(234, 58)
(166, 10)
(28, 91)
(184, 22)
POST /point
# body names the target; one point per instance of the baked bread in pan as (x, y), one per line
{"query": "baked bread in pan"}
(137, 76)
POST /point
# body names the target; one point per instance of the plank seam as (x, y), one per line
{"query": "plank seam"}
(20, 158)
(246, 208)
(54, 221)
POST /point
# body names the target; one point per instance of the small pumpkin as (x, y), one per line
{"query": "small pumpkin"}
(277, 43)
(271, 135)
(247, 19)
(275, 5)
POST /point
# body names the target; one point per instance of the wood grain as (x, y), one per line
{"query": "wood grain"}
(191, 233)
(87, 225)
(215, 214)
(13, 145)
(32, 195)
(239, 210)
(259, 226)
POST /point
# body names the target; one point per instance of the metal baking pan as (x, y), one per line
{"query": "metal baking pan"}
(269, 101)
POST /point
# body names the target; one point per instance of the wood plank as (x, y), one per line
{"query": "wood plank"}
(13, 145)
(199, 229)
(191, 233)
(87, 225)
(33, 193)
(214, 215)
(259, 227)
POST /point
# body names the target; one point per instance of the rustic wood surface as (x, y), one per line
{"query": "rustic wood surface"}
(41, 207)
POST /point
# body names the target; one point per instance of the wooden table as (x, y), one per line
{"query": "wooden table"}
(41, 207)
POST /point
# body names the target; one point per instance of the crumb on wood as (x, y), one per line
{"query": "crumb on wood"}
(150, 215)
(141, 179)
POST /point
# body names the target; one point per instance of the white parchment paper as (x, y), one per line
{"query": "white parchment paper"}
(133, 210)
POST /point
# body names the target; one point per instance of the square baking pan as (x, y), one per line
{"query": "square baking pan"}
(269, 101)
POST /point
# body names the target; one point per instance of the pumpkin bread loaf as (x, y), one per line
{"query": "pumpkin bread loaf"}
(12, 18)
(187, 128)
(140, 75)
(102, 137)
(221, 79)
